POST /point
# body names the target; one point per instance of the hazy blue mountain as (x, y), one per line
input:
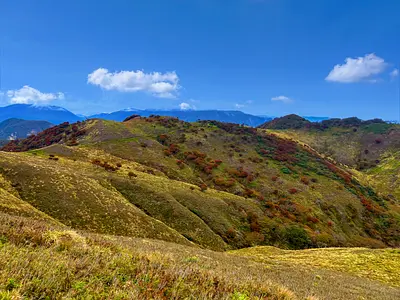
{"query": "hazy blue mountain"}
(231, 116)
(52, 114)
(21, 128)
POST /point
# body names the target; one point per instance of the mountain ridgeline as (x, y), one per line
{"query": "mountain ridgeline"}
(17, 128)
(293, 121)
(58, 115)
(217, 185)
(227, 116)
(351, 141)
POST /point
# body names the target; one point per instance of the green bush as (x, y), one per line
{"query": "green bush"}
(297, 238)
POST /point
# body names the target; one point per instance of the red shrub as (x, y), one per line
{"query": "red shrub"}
(203, 187)
(255, 227)
(312, 219)
(180, 164)
(174, 149)
(293, 191)
(224, 182)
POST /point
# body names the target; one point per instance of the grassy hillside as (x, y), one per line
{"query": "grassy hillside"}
(135, 210)
(60, 263)
(360, 146)
(371, 147)
(375, 264)
(386, 176)
(218, 185)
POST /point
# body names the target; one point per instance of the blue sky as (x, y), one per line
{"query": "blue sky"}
(265, 57)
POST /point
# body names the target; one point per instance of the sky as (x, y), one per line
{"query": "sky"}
(334, 58)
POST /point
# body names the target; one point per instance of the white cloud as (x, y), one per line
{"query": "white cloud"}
(244, 104)
(186, 106)
(237, 105)
(357, 69)
(394, 73)
(163, 85)
(283, 99)
(27, 95)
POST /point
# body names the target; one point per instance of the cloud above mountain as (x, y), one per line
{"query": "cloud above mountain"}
(162, 85)
(358, 69)
(30, 95)
(186, 106)
(282, 99)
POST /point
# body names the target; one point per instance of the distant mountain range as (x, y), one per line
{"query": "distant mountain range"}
(57, 115)
(229, 116)
(18, 128)
(52, 114)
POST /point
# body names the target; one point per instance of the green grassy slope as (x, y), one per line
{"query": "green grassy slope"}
(373, 149)
(65, 192)
(39, 260)
(133, 211)
(359, 147)
(218, 185)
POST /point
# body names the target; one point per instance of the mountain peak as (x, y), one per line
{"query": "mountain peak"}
(50, 113)
(291, 121)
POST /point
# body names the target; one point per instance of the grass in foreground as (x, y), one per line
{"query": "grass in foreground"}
(376, 264)
(42, 261)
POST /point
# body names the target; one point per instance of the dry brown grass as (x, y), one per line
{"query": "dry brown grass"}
(39, 260)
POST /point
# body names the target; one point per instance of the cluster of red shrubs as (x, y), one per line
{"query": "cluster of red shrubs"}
(312, 219)
(199, 158)
(211, 165)
(330, 223)
(225, 182)
(193, 155)
(104, 165)
(278, 149)
(342, 174)
(239, 172)
(293, 191)
(163, 139)
(252, 218)
(172, 149)
(63, 132)
(369, 205)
